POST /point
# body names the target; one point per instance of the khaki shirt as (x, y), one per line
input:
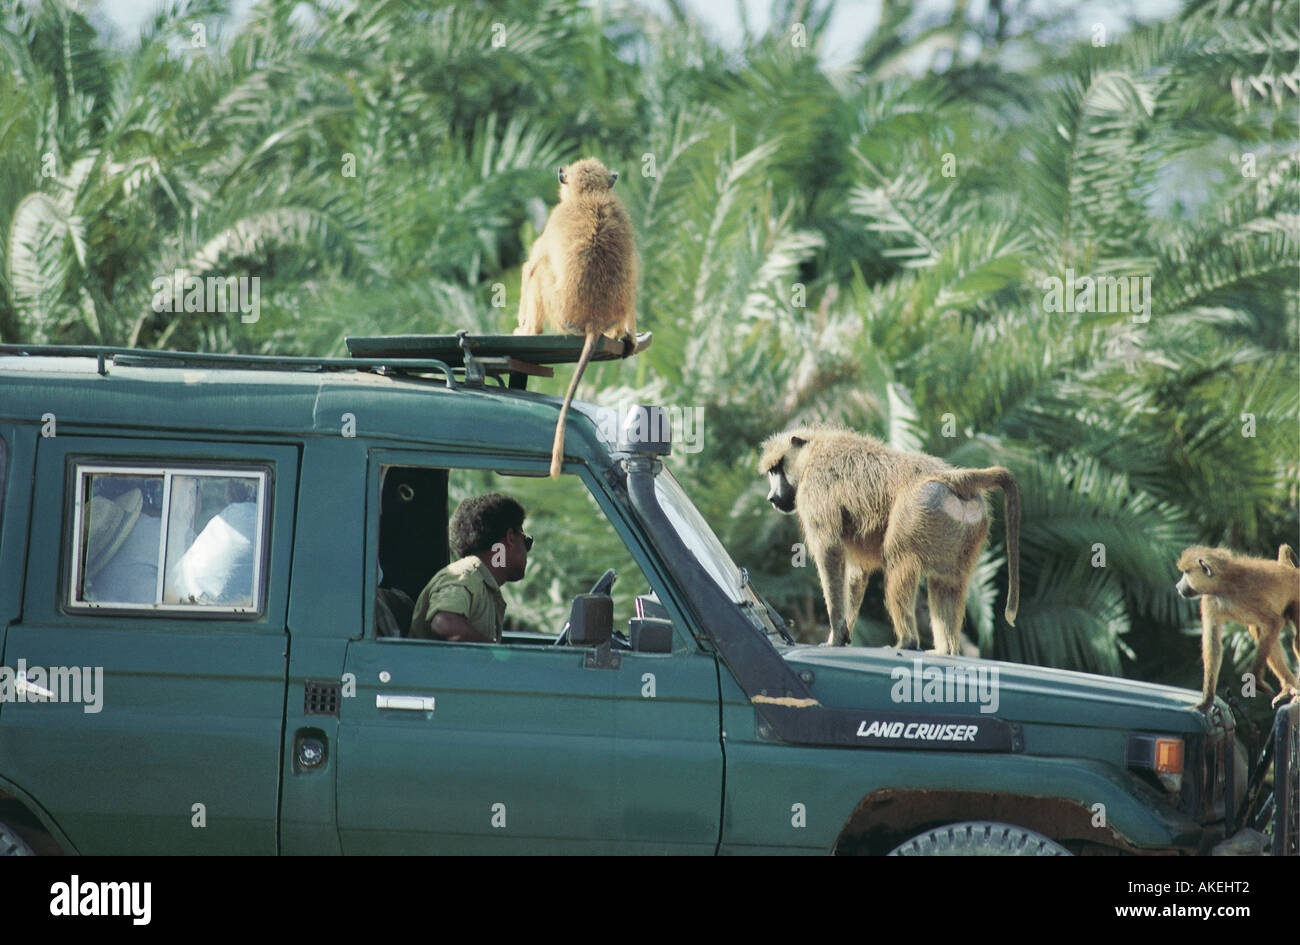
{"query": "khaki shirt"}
(467, 588)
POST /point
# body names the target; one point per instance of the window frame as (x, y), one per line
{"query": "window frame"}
(79, 469)
(657, 579)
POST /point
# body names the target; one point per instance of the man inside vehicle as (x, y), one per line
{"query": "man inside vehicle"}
(463, 601)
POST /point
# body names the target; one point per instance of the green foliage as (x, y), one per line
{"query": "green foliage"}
(870, 247)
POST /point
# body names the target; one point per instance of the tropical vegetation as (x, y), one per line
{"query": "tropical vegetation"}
(873, 244)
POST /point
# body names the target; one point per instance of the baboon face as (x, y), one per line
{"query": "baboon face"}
(1200, 570)
(587, 176)
(778, 462)
(781, 491)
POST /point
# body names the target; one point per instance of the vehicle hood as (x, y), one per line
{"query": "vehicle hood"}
(885, 678)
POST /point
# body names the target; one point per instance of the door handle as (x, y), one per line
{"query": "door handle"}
(408, 703)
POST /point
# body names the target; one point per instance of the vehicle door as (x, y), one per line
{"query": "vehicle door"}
(150, 654)
(524, 746)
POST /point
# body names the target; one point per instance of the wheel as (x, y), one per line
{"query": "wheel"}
(11, 844)
(979, 838)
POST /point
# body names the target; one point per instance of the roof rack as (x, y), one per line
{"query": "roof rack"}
(517, 356)
(146, 357)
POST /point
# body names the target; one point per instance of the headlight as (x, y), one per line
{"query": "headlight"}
(1160, 754)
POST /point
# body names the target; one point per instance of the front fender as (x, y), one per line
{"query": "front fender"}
(832, 800)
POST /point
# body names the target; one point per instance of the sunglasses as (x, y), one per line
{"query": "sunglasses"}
(528, 542)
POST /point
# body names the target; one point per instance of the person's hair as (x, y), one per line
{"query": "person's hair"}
(482, 521)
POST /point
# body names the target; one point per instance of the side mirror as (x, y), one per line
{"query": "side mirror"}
(591, 620)
(651, 635)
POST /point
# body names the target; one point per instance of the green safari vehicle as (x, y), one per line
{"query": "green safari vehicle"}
(207, 564)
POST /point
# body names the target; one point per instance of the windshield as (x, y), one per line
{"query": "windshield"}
(695, 533)
(699, 539)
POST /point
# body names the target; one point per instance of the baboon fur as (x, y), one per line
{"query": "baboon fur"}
(864, 506)
(580, 278)
(1261, 594)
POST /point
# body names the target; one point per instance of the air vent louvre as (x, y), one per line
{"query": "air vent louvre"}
(322, 698)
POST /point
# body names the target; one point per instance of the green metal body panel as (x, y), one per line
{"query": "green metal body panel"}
(528, 748)
(765, 779)
(18, 479)
(591, 762)
(1029, 694)
(308, 809)
(529, 751)
(192, 709)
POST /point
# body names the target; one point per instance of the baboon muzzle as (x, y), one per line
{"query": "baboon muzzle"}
(782, 503)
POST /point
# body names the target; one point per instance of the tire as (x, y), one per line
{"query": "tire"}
(979, 838)
(11, 844)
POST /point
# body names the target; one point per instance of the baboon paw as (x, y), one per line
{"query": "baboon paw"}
(1285, 695)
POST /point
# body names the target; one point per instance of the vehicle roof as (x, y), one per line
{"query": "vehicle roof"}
(300, 397)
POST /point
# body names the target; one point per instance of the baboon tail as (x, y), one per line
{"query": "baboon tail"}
(998, 477)
(1011, 496)
(557, 450)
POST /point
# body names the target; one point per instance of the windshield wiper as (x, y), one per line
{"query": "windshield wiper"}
(775, 619)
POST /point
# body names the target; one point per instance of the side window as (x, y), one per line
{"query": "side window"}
(570, 545)
(168, 538)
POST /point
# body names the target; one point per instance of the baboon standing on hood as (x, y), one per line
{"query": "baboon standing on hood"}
(864, 506)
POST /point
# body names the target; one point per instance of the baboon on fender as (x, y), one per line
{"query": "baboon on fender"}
(864, 506)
